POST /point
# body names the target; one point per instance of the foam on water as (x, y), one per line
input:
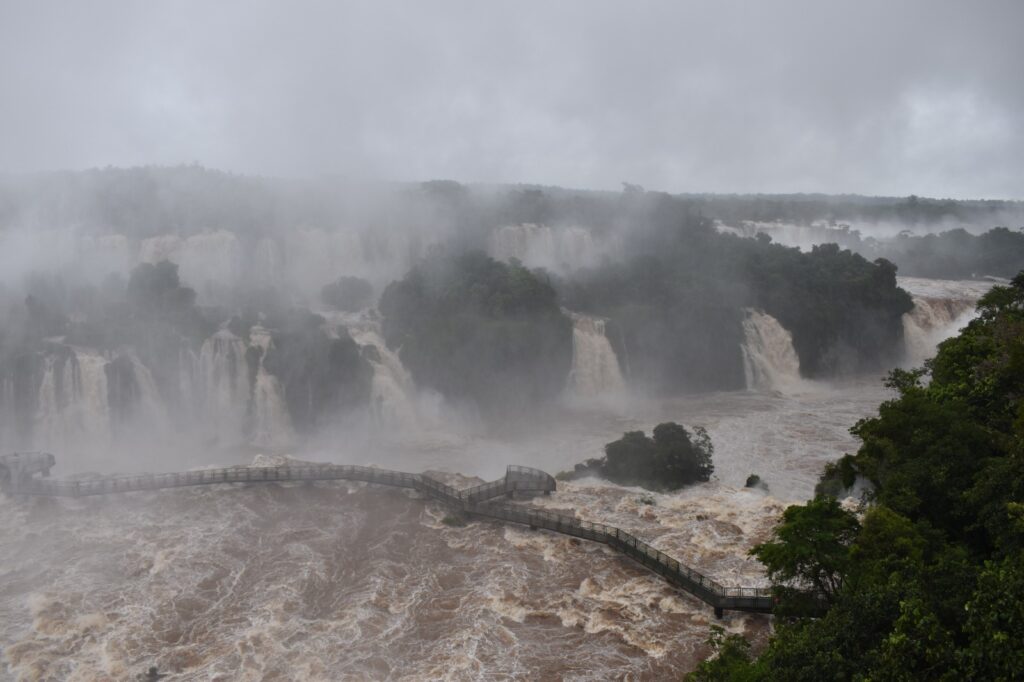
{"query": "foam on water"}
(316, 581)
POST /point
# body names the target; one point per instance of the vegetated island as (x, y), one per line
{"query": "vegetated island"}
(672, 459)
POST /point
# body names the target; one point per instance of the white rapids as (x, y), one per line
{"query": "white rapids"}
(769, 359)
(327, 580)
(941, 309)
(344, 581)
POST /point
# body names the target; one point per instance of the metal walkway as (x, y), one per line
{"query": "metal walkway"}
(18, 476)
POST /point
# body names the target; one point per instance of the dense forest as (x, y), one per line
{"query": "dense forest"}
(677, 304)
(927, 581)
(157, 199)
(480, 331)
(954, 254)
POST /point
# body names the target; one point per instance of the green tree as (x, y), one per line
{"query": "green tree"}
(931, 584)
(810, 549)
(730, 660)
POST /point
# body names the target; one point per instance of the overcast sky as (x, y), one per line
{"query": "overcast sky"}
(868, 97)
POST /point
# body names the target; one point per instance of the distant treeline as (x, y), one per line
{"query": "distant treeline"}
(184, 199)
(807, 208)
(954, 254)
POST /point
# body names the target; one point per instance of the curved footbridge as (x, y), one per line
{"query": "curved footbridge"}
(27, 474)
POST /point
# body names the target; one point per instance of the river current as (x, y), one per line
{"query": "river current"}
(348, 581)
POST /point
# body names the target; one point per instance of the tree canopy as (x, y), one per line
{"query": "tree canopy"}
(930, 583)
(482, 332)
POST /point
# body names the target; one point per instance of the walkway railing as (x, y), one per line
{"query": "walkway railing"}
(17, 477)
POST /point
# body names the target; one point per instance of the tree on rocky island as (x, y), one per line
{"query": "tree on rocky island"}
(673, 458)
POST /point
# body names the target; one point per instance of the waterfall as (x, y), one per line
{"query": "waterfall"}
(189, 382)
(151, 406)
(559, 249)
(73, 409)
(932, 321)
(81, 400)
(225, 376)
(271, 425)
(527, 242)
(104, 254)
(161, 247)
(595, 367)
(20, 377)
(769, 359)
(8, 423)
(210, 262)
(267, 267)
(392, 400)
(136, 408)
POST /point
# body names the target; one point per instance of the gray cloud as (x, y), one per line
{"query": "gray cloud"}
(869, 97)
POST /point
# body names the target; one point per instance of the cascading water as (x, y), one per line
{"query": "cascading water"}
(769, 359)
(595, 367)
(225, 376)
(151, 405)
(73, 410)
(941, 308)
(559, 248)
(930, 322)
(392, 393)
(209, 261)
(136, 409)
(267, 268)
(189, 383)
(271, 425)
(8, 401)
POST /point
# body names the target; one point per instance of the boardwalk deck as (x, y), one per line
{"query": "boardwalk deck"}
(17, 477)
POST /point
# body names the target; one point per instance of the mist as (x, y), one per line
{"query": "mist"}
(917, 99)
(160, 317)
(290, 291)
